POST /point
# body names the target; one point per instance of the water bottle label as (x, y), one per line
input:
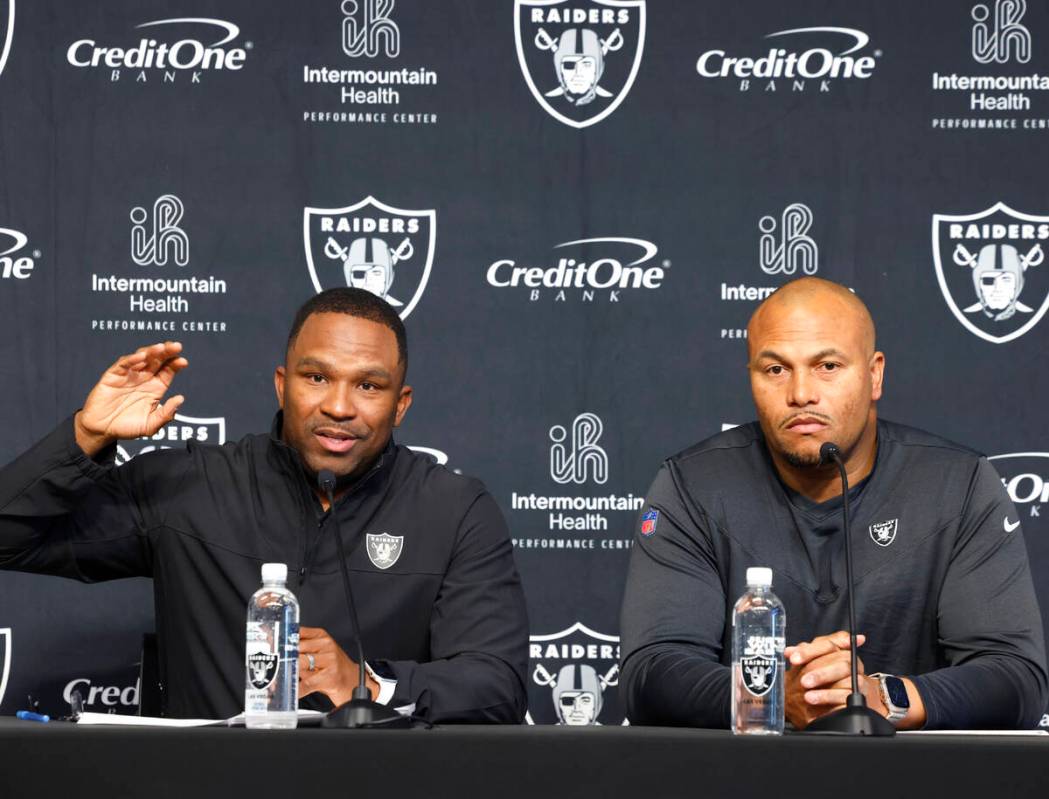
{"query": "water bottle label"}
(758, 664)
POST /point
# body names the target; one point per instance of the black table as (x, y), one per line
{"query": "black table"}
(58, 759)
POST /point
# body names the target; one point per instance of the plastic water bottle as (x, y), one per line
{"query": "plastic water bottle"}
(271, 691)
(758, 628)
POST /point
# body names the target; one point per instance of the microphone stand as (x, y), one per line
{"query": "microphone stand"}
(855, 718)
(360, 712)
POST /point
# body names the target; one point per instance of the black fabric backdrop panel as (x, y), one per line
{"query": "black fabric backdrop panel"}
(577, 205)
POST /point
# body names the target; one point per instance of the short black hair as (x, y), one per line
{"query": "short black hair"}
(353, 302)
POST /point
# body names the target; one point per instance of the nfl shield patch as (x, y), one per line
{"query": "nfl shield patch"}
(648, 522)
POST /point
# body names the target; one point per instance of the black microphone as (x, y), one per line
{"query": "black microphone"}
(360, 711)
(855, 718)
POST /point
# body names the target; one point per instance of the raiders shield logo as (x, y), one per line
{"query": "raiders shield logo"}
(5, 660)
(992, 271)
(384, 549)
(262, 668)
(175, 433)
(579, 57)
(884, 533)
(759, 674)
(373, 246)
(574, 674)
(7, 31)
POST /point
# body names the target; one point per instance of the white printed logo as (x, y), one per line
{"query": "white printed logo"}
(578, 688)
(6, 649)
(794, 249)
(991, 257)
(782, 62)
(884, 533)
(7, 32)
(758, 664)
(581, 459)
(367, 29)
(15, 266)
(179, 431)
(188, 54)
(154, 240)
(587, 51)
(1025, 476)
(1001, 38)
(1010, 526)
(384, 549)
(370, 245)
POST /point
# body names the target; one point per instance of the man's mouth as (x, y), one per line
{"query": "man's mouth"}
(335, 440)
(806, 425)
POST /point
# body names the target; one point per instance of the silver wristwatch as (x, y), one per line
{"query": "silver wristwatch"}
(893, 695)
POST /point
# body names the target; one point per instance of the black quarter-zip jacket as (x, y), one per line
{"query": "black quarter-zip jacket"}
(943, 587)
(447, 619)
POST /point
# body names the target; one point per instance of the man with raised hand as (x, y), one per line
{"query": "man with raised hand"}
(945, 608)
(438, 595)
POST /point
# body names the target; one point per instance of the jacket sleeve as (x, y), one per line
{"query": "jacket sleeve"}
(990, 628)
(478, 632)
(673, 617)
(63, 513)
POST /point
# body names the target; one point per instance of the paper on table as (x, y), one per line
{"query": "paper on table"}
(113, 719)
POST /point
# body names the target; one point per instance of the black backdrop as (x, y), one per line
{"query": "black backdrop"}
(691, 154)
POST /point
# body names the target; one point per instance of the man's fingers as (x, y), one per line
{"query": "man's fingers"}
(802, 653)
(312, 632)
(168, 410)
(827, 696)
(821, 673)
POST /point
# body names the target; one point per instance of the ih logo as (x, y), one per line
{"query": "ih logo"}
(579, 58)
(367, 29)
(573, 668)
(793, 249)
(1025, 476)
(7, 30)
(580, 459)
(176, 433)
(373, 246)
(991, 270)
(999, 37)
(758, 664)
(157, 238)
(5, 660)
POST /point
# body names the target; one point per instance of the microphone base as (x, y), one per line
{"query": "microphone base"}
(853, 719)
(364, 714)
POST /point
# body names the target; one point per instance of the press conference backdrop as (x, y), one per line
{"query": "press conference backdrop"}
(575, 205)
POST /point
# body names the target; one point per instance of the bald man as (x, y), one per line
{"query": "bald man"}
(946, 614)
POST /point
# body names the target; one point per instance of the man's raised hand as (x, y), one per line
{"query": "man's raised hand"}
(128, 400)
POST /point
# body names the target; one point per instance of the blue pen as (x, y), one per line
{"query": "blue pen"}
(29, 715)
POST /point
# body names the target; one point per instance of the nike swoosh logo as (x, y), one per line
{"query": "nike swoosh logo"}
(1010, 527)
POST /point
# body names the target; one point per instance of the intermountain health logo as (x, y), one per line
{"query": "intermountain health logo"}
(163, 292)
(1025, 476)
(7, 30)
(586, 516)
(579, 59)
(991, 269)
(177, 433)
(795, 60)
(370, 245)
(179, 49)
(372, 90)
(574, 674)
(1003, 91)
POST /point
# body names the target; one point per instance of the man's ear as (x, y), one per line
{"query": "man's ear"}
(278, 385)
(404, 402)
(877, 375)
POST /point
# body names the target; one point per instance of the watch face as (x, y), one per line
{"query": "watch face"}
(897, 692)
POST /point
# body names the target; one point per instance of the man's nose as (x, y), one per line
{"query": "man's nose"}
(338, 402)
(802, 389)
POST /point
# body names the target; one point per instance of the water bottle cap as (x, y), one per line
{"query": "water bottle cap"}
(759, 576)
(274, 572)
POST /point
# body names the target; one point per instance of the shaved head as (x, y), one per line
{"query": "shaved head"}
(814, 295)
(815, 376)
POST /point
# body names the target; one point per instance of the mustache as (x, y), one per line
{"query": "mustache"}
(806, 414)
(348, 430)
